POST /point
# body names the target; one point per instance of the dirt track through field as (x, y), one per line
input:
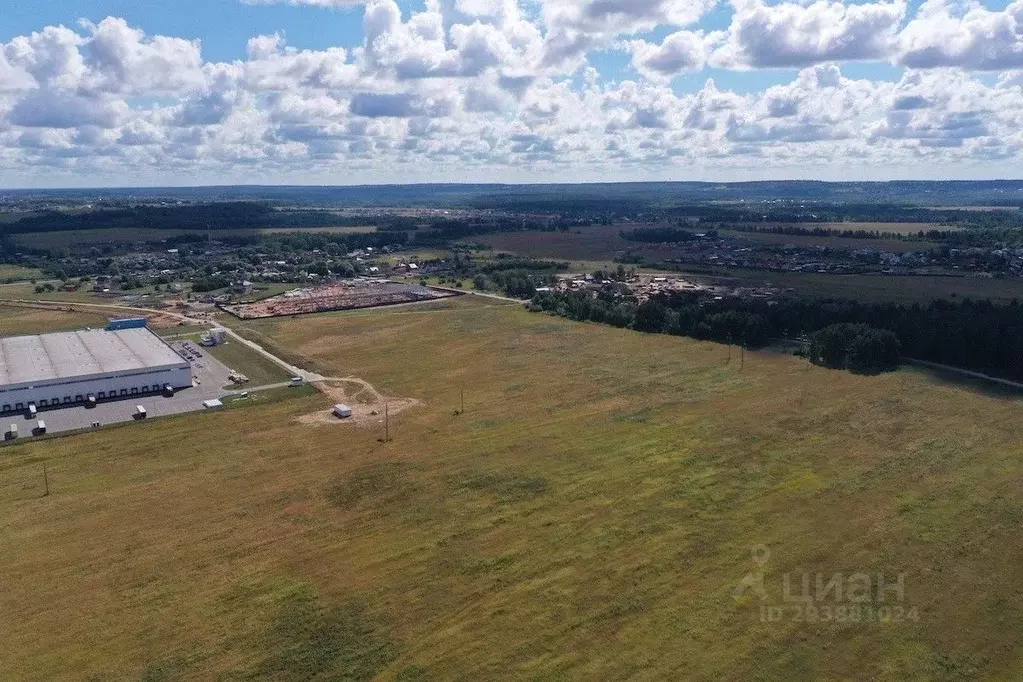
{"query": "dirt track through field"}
(369, 406)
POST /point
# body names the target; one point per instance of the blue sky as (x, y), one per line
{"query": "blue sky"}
(224, 27)
(508, 90)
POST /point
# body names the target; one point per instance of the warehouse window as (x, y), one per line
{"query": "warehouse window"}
(67, 399)
(102, 395)
(156, 388)
(134, 390)
(42, 403)
(7, 408)
(20, 406)
(124, 391)
(78, 398)
(55, 401)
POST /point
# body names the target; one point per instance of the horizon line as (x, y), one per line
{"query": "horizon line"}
(511, 184)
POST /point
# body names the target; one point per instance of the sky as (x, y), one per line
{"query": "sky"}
(189, 92)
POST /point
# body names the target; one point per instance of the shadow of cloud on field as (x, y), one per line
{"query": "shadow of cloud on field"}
(984, 387)
(506, 486)
(309, 640)
(380, 482)
(299, 637)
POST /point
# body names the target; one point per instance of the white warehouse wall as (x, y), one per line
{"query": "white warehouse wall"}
(71, 388)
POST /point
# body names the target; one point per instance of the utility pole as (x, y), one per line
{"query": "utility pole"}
(387, 424)
(463, 402)
(46, 481)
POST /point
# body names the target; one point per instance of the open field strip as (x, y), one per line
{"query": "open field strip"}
(17, 320)
(879, 287)
(848, 243)
(12, 273)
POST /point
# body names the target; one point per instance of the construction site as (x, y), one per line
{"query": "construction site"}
(351, 295)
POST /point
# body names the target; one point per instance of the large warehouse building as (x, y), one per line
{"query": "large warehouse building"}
(67, 368)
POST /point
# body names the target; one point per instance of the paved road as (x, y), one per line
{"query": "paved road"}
(481, 294)
(295, 371)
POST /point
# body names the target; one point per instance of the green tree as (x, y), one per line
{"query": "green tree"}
(829, 346)
(859, 348)
(873, 351)
(651, 317)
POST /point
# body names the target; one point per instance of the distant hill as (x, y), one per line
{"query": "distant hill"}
(919, 193)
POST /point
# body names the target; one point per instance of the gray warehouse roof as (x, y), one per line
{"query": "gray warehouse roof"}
(45, 357)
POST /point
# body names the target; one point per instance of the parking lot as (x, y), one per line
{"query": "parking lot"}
(209, 378)
(207, 372)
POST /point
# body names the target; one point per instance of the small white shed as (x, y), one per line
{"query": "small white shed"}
(342, 411)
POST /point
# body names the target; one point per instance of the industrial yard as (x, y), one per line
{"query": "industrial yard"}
(73, 368)
(203, 379)
(348, 295)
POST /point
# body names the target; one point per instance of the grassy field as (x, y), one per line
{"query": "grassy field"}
(56, 240)
(899, 289)
(587, 517)
(603, 243)
(16, 273)
(597, 243)
(892, 245)
(17, 320)
(365, 229)
(140, 296)
(415, 255)
(26, 292)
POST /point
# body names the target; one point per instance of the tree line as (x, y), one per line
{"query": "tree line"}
(977, 335)
(236, 215)
(517, 277)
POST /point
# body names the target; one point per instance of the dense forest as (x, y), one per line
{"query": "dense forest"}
(817, 231)
(534, 212)
(859, 348)
(977, 335)
(217, 216)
